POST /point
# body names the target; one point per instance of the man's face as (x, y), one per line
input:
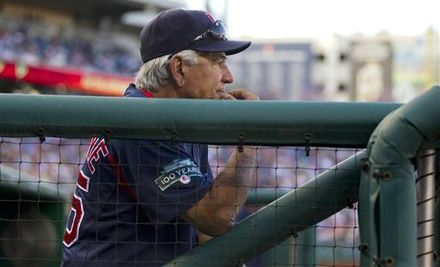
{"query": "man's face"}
(206, 79)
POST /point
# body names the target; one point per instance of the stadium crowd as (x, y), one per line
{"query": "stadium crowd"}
(36, 42)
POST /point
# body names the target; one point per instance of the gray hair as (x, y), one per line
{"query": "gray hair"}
(153, 74)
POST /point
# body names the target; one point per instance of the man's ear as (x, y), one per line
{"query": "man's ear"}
(176, 69)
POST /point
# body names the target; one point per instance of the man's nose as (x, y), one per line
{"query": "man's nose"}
(227, 75)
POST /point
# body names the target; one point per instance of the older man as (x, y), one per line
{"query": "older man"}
(141, 202)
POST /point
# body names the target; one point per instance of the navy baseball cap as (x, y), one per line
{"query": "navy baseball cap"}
(175, 30)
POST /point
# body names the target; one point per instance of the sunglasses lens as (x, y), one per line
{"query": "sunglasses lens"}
(217, 31)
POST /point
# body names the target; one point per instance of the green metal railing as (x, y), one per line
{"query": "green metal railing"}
(384, 171)
(387, 210)
(202, 121)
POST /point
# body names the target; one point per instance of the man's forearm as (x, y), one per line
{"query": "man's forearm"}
(238, 176)
(245, 166)
(216, 212)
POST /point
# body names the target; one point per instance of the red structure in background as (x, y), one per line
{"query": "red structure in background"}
(71, 79)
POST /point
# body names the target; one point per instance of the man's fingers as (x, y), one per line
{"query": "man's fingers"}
(243, 94)
(226, 96)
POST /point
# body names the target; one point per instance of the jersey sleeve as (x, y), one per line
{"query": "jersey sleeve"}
(168, 178)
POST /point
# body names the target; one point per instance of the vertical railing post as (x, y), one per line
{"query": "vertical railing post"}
(387, 196)
(426, 198)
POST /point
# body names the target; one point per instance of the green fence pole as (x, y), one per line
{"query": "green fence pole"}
(299, 250)
(305, 248)
(263, 196)
(202, 121)
(280, 255)
(387, 206)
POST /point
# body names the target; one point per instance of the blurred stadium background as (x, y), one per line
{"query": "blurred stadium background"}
(91, 48)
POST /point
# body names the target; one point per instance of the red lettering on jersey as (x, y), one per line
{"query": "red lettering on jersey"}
(83, 181)
(122, 180)
(71, 234)
(97, 149)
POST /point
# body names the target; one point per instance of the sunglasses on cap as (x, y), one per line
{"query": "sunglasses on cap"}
(216, 32)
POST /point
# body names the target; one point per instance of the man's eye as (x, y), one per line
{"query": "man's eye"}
(221, 60)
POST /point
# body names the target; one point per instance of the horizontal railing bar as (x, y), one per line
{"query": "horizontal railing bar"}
(340, 124)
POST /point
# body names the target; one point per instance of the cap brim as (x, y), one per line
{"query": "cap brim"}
(226, 46)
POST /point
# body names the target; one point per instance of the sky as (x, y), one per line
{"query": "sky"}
(319, 19)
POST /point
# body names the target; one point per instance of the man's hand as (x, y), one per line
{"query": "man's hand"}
(242, 94)
(203, 238)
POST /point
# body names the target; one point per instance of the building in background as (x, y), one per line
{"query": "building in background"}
(378, 68)
(371, 69)
(275, 69)
(416, 64)
(347, 68)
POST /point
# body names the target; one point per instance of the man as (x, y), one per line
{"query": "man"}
(141, 202)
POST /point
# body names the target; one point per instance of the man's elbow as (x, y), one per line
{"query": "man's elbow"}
(212, 221)
(223, 225)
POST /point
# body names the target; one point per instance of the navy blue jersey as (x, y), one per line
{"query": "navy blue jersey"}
(129, 200)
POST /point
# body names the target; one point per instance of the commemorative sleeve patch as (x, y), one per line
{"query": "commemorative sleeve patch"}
(178, 171)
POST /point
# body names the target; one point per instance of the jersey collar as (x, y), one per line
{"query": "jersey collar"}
(147, 93)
